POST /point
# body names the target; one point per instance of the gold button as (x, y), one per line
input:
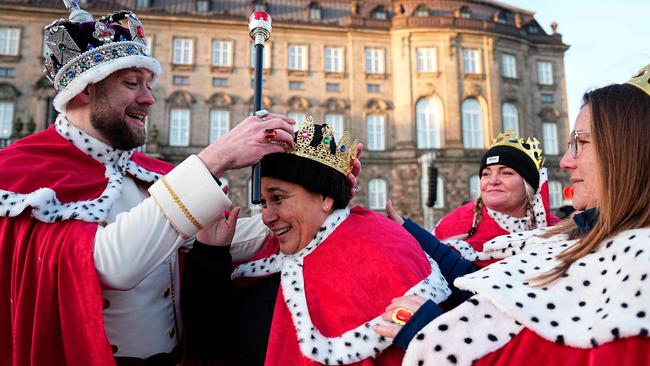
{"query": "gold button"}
(114, 348)
(105, 303)
(171, 333)
(166, 292)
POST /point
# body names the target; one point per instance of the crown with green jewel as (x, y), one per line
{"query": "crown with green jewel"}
(326, 151)
(641, 79)
(530, 146)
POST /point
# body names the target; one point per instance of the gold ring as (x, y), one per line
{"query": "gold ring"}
(401, 315)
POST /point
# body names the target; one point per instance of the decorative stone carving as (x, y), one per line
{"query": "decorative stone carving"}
(181, 98)
(220, 100)
(298, 103)
(549, 114)
(335, 105)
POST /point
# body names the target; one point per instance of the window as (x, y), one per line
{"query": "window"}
(219, 82)
(375, 129)
(181, 80)
(547, 98)
(544, 73)
(380, 13)
(555, 194)
(333, 87)
(440, 191)
(7, 72)
(296, 85)
(510, 117)
(219, 123)
(426, 60)
(140, 4)
(179, 127)
(471, 62)
(221, 53)
(374, 60)
(335, 120)
(6, 118)
(374, 88)
(421, 11)
(501, 18)
(474, 187)
(9, 41)
(266, 56)
(183, 50)
(202, 5)
(333, 59)
(472, 124)
(549, 135)
(260, 5)
(377, 195)
(314, 11)
(508, 66)
(297, 57)
(299, 117)
(465, 13)
(427, 115)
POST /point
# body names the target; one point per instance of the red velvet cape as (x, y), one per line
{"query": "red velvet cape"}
(50, 295)
(527, 346)
(350, 279)
(459, 221)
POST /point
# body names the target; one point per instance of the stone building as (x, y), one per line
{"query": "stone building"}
(419, 82)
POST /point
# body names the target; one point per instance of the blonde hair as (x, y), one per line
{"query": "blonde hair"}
(620, 131)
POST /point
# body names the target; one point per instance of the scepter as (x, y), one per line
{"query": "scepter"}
(259, 25)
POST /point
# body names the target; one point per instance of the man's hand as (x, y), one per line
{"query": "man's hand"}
(248, 142)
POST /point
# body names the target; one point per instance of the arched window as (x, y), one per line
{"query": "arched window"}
(219, 123)
(376, 135)
(474, 187)
(555, 194)
(421, 11)
(377, 195)
(472, 124)
(315, 10)
(549, 138)
(428, 112)
(510, 118)
(179, 127)
(465, 12)
(6, 118)
(379, 13)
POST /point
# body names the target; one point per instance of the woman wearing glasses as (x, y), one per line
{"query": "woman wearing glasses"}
(581, 296)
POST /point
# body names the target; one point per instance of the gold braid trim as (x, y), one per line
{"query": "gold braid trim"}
(180, 204)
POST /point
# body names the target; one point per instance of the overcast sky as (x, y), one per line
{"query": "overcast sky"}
(609, 40)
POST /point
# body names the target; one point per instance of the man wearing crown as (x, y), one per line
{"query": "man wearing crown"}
(91, 228)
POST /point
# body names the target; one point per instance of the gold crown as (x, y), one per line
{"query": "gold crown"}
(641, 79)
(346, 152)
(531, 146)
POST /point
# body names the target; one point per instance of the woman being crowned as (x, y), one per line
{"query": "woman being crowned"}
(315, 290)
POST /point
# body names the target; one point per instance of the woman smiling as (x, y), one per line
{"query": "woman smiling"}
(322, 280)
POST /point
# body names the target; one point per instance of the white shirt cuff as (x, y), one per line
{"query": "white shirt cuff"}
(190, 197)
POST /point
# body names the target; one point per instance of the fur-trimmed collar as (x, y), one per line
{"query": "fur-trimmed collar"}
(604, 296)
(45, 204)
(354, 345)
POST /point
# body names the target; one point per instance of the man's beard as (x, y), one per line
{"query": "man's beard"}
(112, 127)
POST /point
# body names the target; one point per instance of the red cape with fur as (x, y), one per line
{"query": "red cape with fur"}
(50, 295)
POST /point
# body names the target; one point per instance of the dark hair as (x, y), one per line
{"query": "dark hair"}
(310, 174)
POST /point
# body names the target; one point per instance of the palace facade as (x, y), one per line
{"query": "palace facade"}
(420, 83)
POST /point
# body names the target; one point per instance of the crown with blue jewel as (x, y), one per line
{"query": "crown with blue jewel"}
(81, 50)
